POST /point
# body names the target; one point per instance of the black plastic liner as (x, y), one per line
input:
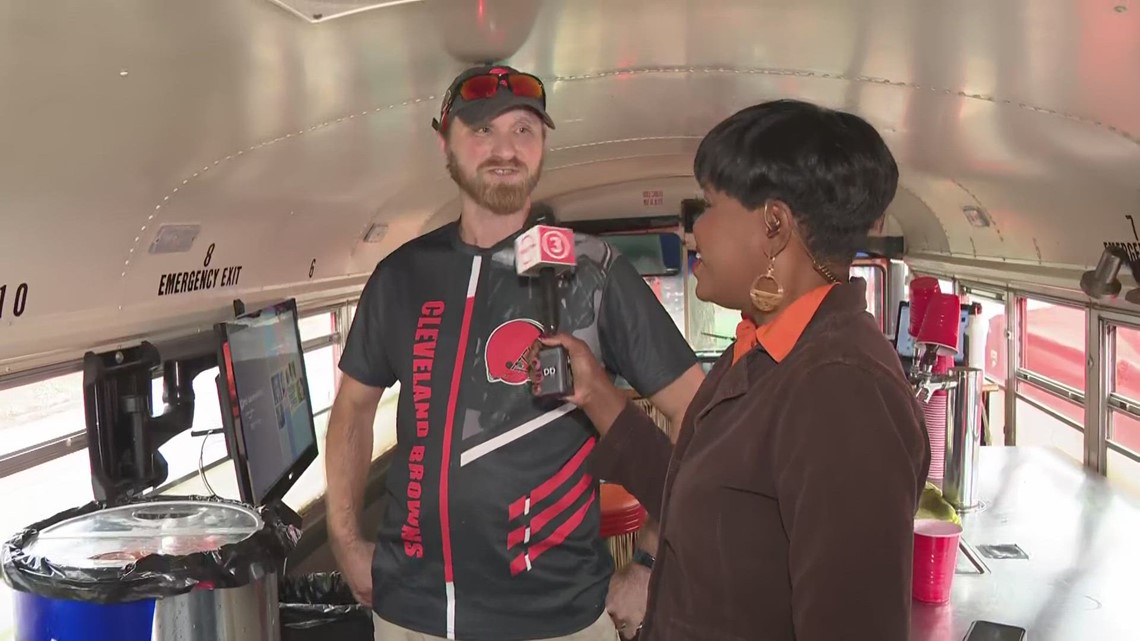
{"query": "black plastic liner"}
(158, 575)
(320, 606)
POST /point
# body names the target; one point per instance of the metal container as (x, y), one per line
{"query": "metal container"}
(104, 542)
(963, 438)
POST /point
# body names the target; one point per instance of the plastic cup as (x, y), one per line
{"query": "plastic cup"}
(943, 363)
(935, 557)
(921, 290)
(941, 322)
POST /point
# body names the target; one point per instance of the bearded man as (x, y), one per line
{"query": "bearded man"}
(491, 527)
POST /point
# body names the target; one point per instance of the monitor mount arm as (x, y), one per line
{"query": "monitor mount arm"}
(123, 437)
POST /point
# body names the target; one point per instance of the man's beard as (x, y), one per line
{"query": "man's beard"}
(499, 198)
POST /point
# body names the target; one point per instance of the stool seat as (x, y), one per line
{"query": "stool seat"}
(621, 512)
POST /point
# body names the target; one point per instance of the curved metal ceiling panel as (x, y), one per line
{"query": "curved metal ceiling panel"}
(284, 139)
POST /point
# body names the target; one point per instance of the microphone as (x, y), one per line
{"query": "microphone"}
(546, 251)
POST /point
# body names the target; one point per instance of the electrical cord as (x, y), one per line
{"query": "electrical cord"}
(202, 460)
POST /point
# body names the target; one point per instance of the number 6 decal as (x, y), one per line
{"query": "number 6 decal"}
(312, 267)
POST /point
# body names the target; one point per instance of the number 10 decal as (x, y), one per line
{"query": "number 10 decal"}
(19, 300)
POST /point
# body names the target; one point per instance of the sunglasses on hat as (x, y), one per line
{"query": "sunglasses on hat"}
(487, 85)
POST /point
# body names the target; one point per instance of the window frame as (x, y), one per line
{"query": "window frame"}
(1097, 399)
(1114, 401)
(58, 447)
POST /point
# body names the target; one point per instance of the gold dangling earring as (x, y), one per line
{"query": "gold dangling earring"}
(767, 293)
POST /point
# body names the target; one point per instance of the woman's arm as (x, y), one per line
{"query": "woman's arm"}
(633, 451)
(848, 462)
(635, 454)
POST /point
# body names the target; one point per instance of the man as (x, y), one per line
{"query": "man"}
(491, 530)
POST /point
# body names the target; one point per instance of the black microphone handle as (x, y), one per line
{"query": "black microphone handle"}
(550, 307)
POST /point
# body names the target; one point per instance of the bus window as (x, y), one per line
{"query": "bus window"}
(710, 327)
(670, 291)
(1124, 407)
(1053, 360)
(994, 357)
(876, 288)
(1053, 342)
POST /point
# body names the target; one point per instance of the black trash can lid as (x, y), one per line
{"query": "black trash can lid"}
(149, 548)
(117, 536)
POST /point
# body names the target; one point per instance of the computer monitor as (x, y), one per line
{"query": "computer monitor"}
(653, 254)
(904, 342)
(267, 414)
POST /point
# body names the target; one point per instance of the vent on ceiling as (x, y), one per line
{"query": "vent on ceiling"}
(173, 239)
(976, 216)
(375, 232)
(314, 11)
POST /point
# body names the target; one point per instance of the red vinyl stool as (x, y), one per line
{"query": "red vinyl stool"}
(622, 517)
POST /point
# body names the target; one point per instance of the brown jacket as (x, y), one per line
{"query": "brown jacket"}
(786, 507)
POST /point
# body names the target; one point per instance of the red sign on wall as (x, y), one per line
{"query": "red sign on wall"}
(653, 198)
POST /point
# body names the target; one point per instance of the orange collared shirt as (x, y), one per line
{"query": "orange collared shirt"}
(779, 335)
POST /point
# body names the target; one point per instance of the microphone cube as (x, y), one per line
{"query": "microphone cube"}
(554, 376)
(544, 246)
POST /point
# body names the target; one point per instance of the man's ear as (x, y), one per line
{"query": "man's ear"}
(442, 142)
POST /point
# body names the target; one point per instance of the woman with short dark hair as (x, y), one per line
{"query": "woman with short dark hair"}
(786, 507)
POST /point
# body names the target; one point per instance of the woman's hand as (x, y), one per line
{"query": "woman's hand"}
(593, 391)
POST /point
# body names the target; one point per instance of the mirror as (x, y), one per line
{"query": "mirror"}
(653, 254)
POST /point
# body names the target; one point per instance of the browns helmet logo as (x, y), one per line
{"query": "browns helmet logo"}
(506, 352)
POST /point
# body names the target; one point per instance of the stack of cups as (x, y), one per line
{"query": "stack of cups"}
(940, 329)
(935, 557)
(934, 411)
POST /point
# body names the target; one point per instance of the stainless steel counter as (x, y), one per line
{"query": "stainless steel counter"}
(1081, 578)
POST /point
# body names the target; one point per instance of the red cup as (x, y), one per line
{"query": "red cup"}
(921, 289)
(941, 323)
(935, 556)
(943, 363)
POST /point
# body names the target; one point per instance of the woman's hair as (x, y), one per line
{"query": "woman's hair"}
(831, 168)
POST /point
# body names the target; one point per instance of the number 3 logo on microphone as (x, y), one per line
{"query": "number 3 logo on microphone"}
(555, 246)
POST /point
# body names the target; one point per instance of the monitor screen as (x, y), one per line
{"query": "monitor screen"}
(904, 342)
(656, 254)
(265, 397)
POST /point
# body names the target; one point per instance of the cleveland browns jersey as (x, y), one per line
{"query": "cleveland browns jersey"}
(491, 528)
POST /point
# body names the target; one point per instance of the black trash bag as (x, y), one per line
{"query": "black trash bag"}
(155, 576)
(316, 607)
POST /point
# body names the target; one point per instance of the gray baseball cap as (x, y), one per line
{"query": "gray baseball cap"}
(482, 93)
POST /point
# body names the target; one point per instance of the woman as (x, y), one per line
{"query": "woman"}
(786, 507)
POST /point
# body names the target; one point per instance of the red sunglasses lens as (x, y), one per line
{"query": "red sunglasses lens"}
(479, 87)
(526, 86)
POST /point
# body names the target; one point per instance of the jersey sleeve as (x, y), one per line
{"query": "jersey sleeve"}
(639, 339)
(365, 356)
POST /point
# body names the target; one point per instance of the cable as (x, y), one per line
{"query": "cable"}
(202, 465)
